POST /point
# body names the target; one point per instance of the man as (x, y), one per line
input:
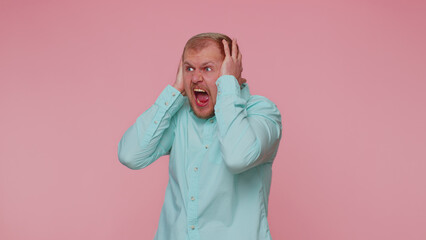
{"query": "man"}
(221, 140)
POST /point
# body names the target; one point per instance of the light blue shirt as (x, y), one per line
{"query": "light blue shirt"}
(219, 169)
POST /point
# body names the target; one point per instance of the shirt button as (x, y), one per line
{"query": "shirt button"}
(173, 94)
(195, 169)
(211, 120)
(218, 92)
(192, 198)
(166, 103)
(192, 227)
(155, 122)
(207, 146)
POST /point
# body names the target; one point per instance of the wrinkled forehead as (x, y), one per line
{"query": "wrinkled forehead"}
(198, 46)
(210, 54)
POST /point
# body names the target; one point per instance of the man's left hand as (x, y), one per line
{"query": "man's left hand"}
(232, 64)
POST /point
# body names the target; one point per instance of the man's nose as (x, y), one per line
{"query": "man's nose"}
(197, 77)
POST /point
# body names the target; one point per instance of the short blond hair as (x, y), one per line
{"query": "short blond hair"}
(202, 40)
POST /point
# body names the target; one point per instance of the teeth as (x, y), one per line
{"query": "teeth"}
(198, 90)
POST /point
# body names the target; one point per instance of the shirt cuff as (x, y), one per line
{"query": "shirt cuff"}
(228, 85)
(170, 100)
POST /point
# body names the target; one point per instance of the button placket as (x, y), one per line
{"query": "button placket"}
(192, 212)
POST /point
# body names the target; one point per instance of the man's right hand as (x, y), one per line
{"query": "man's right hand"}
(179, 79)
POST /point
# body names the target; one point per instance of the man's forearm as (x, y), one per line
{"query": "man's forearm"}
(249, 132)
(152, 134)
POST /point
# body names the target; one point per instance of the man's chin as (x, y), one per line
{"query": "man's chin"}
(202, 113)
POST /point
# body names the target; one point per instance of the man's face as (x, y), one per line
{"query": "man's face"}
(201, 69)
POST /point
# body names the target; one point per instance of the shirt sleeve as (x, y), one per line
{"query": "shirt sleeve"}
(152, 134)
(249, 131)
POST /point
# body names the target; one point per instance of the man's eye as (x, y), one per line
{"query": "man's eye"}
(208, 69)
(189, 69)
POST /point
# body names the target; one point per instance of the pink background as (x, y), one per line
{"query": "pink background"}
(349, 78)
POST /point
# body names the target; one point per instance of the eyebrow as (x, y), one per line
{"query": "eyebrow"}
(207, 63)
(203, 64)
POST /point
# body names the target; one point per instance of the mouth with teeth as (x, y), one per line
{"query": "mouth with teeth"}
(201, 97)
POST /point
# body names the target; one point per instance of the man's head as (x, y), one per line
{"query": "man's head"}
(202, 60)
(201, 40)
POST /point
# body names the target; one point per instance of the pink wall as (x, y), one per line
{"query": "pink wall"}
(348, 76)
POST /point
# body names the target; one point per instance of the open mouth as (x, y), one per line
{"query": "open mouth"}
(201, 97)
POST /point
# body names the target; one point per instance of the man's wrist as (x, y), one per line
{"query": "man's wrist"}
(227, 84)
(179, 89)
(170, 99)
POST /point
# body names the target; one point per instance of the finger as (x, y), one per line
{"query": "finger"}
(234, 49)
(226, 48)
(180, 67)
(240, 60)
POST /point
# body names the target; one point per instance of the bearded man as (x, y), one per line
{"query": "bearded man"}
(222, 142)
